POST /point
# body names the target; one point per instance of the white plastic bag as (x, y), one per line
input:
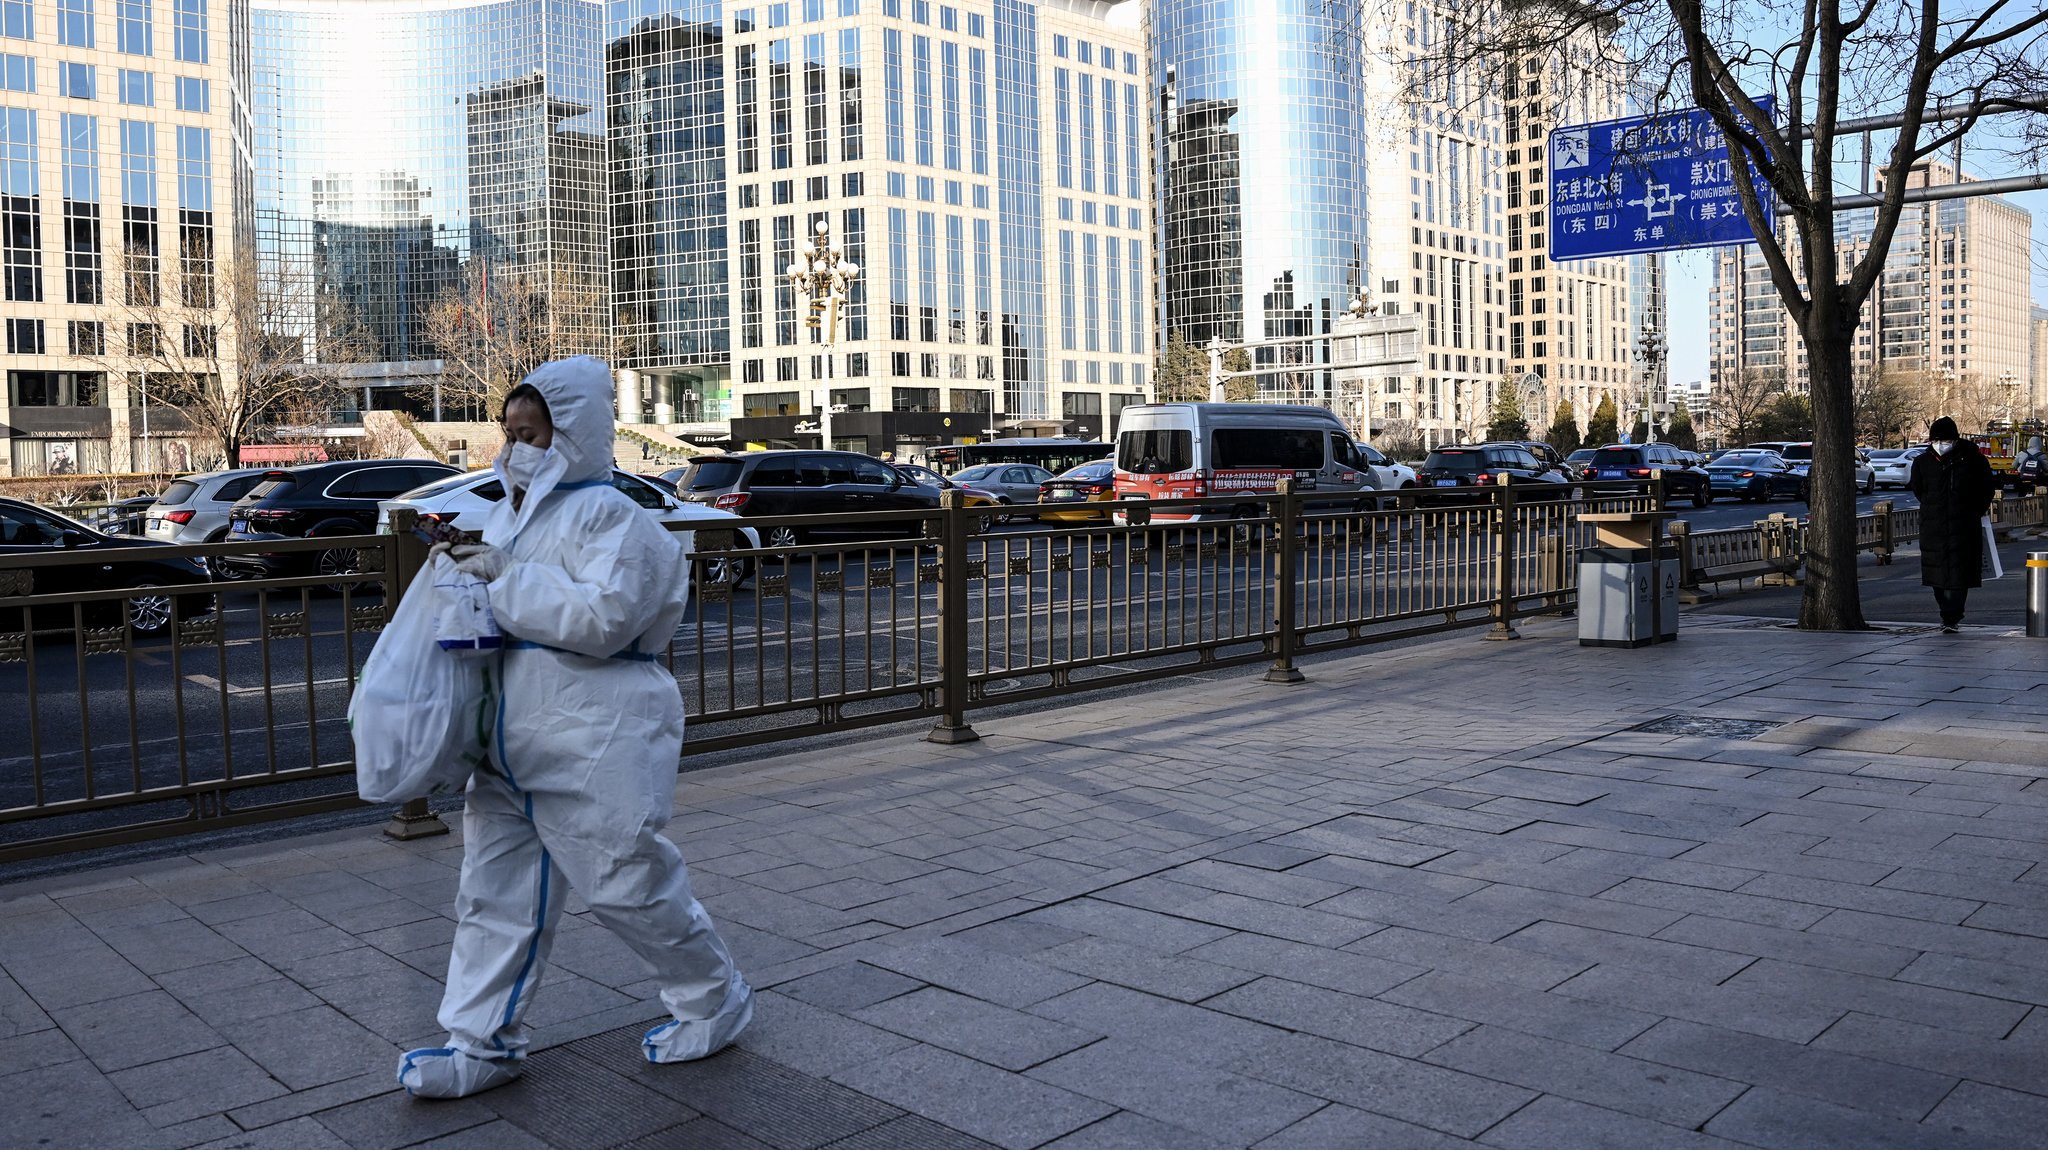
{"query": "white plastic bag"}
(1992, 561)
(421, 715)
(463, 621)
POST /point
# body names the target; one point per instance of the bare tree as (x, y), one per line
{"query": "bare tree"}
(1740, 400)
(1890, 403)
(1826, 63)
(229, 345)
(497, 323)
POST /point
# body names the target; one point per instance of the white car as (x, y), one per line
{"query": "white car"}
(463, 501)
(1393, 476)
(1893, 466)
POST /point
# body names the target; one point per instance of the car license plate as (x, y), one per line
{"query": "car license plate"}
(241, 527)
(1056, 496)
(154, 524)
(1446, 483)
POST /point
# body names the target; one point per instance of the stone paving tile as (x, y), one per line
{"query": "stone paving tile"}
(1436, 1097)
(1551, 1122)
(390, 1121)
(181, 1088)
(1791, 945)
(1651, 956)
(980, 1030)
(1995, 1062)
(1780, 1121)
(1893, 999)
(1162, 1086)
(1615, 1082)
(1770, 1013)
(1127, 1131)
(123, 1032)
(311, 1047)
(1006, 1109)
(59, 1106)
(814, 1040)
(1185, 977)
(997, 978)
(1493, 961)
(1096, 916)
(1555, 1015)
(297, 1134)
(1832, 1076)
(849, 986)
(1336, 1127)
(1366, 1022)
(1976, 1110)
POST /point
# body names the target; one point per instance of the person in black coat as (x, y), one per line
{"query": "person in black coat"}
(1953, 482)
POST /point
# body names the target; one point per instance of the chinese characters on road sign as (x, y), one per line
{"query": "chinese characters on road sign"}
(1645, 184)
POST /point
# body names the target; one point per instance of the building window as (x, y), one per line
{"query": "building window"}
(138, 88)
(132, 31)
(88, 337)
(25, 337)
(849, 102)
(74, 23)
(188, 30)
(18, 73)
(21, 228)
(914, 399)
(194, 95)
(17, 19)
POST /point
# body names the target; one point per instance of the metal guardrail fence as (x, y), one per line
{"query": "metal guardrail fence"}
(142, 712)
(1776, 545)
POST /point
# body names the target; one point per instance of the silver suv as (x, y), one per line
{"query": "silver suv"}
(194, 509)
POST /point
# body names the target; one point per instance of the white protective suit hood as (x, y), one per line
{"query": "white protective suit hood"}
(579, 396)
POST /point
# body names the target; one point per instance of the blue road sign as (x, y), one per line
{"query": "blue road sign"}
(1645, 184)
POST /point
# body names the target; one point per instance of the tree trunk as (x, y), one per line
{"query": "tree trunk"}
(1833, 601)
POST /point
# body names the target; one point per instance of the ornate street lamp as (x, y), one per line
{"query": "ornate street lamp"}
(822, 274)
(1651, 343)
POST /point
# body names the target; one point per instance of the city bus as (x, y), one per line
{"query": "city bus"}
(1055, 455)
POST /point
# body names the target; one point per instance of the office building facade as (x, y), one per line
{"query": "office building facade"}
(122, 181)
(1259, 177)
(1949, 317)
(415, 154)
(1438, 248)
(979, 162)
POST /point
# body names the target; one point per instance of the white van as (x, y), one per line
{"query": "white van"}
(1193, 450)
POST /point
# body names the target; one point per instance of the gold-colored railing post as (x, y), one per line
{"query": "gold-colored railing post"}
(405, 556)
(1287, 521)
(1504, 560)
(1886, 538)
(953, 670)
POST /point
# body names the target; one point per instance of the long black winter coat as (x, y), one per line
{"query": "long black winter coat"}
(1954, 491)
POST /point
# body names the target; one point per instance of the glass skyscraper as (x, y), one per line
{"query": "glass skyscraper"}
(400, 143)
(1260, 162)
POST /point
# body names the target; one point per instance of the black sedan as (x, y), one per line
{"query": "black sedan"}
(120, 562)
(1755, 476)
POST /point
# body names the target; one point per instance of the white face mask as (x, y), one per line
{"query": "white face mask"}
(1944, 446)
(522, 463)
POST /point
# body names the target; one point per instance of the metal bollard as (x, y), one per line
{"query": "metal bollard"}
(2037, 594)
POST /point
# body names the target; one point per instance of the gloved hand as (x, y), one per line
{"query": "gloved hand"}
(479, 559)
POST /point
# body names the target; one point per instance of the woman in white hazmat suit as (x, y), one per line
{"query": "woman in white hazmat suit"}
(587, 589)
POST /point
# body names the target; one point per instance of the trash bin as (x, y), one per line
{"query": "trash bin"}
(1628, 582)
(2037, 594)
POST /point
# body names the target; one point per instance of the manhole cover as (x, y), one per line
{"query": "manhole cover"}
(1706, 727)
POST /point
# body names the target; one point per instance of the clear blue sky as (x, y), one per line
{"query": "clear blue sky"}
(1692, 278)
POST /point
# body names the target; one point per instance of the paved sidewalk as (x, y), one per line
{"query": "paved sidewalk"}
(1433, 897)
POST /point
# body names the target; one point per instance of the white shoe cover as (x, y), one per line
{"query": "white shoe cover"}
(678, 1040)
(445, 1072)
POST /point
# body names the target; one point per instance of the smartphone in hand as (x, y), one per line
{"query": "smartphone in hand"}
(441, 531)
